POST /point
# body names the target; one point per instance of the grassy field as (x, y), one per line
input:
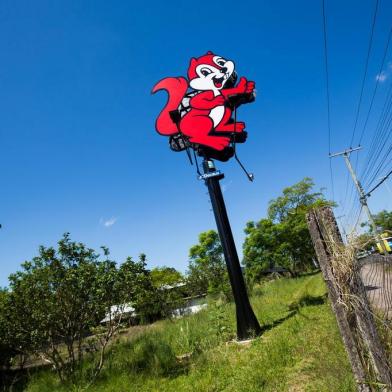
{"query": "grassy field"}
(300, 349)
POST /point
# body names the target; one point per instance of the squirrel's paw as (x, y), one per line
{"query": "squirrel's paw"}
(250, 86)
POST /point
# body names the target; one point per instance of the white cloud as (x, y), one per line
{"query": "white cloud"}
(381, 77)
(108, 222)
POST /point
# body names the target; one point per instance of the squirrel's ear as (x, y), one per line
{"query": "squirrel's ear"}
(192, 69)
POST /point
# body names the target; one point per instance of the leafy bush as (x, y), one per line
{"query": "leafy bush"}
(57, 300)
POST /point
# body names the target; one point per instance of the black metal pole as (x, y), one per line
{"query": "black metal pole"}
(247, 324)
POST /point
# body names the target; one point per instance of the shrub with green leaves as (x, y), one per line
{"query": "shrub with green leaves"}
(57, 300)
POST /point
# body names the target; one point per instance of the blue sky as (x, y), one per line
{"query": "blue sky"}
(79, 152)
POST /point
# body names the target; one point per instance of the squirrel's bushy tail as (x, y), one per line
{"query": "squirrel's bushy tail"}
(176, 89)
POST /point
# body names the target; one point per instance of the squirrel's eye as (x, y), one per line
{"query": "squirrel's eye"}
(220, 61)
(205, 71)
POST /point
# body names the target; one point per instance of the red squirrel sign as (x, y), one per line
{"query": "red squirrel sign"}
(200, 112)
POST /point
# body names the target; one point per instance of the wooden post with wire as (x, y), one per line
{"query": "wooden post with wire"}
(338, 307)
(347, 293)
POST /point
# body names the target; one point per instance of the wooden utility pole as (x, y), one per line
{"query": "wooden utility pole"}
(350, 305)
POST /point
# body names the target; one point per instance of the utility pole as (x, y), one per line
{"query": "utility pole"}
(247, 324)
(362, 194)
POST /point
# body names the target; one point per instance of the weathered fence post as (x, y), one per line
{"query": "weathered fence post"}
(350, 305)
(339, 309)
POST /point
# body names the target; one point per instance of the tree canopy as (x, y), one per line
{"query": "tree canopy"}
(165, 276)
(383, 221)
(207, 271)
(61, 296)
(282, 239)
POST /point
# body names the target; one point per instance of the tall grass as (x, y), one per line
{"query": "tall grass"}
(300, 349)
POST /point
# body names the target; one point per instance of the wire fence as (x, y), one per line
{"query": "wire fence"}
(376, 275)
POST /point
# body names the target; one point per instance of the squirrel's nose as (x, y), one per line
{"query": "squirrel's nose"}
(224, 70)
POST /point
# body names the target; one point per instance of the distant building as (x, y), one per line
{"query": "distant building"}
(191, 305)
(188, 305)
(125, 311)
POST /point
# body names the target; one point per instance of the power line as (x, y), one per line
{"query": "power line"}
(328, 95)
(332, 183)
(373, 170)
(359, 213)
(381, 124)
(372, 102)
(384, 179)
(376, 86)
(381, 136)
(327, 76)
(365, 73)
(360, 98)
(382, 165)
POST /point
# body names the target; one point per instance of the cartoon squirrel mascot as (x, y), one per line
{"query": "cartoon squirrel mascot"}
(202, 119)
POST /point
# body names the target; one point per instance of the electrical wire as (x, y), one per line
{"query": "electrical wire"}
(347, 186)
(374, 153)
(327, 76)
(328, 95)
(376, 86)
(365, 72)
(381, 128)
(382, 165)
(369, 168)
(382, 146)
(382, 181)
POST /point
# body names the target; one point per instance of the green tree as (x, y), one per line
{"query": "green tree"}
(207, 269)
(170, 289)
(383, 221)
(59, 298)
(162, 276)
(264, 247)
(283, 238)
(7, 351)
(136, 286)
